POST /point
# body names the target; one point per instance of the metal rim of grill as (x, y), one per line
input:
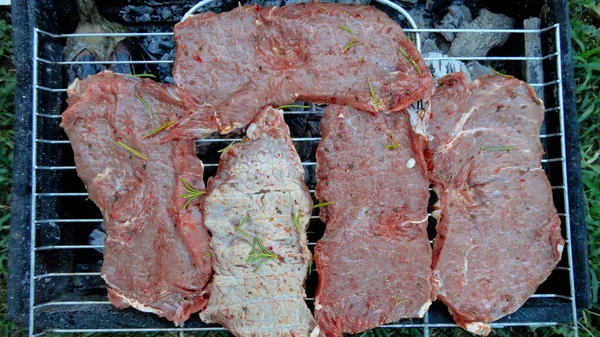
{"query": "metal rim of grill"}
(38, 62)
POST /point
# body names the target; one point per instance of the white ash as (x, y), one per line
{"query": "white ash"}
(441, 68)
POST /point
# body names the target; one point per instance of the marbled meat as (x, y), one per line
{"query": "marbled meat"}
(374, 261)
(257, 208)
(155, 255)
(498, 233)
(233, 64)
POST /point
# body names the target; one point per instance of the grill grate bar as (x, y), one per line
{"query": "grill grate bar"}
(457, 58)
(218, 328)
(43, 60)
(563, 152)
(47, 275)
(309, 299)
(64, 247)
(408, 30)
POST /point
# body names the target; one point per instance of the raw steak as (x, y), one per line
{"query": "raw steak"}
(258, 204)
(498, 231)
(154, 256)
(235, 63)
(374, 261)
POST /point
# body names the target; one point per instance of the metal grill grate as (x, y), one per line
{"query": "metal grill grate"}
(47, 166)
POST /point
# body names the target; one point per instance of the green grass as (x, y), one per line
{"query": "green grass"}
(586, 53)
(7, 121)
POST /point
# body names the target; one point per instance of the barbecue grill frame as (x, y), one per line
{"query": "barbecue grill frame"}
(25, 196)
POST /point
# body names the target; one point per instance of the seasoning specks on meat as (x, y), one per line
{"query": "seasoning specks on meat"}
(155, 250)
(374, 261)
(253, 57)
(498, 234)
(251, 208)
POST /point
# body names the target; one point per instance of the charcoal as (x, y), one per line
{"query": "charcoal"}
(422, 18)
(360, 2)
(435, 5)
(479, 44)
(476, 70)
(96, 238)
(266, 3)
(429, 46)
(456, 16)
(298, 129)
(50, 235)
(407, 3)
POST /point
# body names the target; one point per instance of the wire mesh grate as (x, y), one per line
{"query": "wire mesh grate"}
(554, 164)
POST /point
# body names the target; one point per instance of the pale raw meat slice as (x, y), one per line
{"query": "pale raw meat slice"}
(258, 197)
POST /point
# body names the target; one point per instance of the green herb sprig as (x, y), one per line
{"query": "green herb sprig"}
(289, 106)
(394, 144)
(347, 29)
(239, 226)
(297, 220)
(132, 150)
(323, 204)
(373, 95)
(190, 194)
(145, 105)
(226, 148)
(414, 64)
(399, 301)
(325, 9)
(352, 43)
(158, 129)
(261, 256)
(499, 73)
(141, 75)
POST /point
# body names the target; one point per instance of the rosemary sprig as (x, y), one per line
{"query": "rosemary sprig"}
(141, 75)
(262, 256)
(347, 29)
(394, 144)
(289, 106)
(414, 64)
(353, 42)
(226, 148)
(373, 95)
(398, 300)
(190, 194)
(239, 227)
(310, 263)
(297, 217)
(323, 204)
(158, 129)
(325, 9)
(145, 105)
(207, 254)
(499, 73)
(132, 150)
(499, 148)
